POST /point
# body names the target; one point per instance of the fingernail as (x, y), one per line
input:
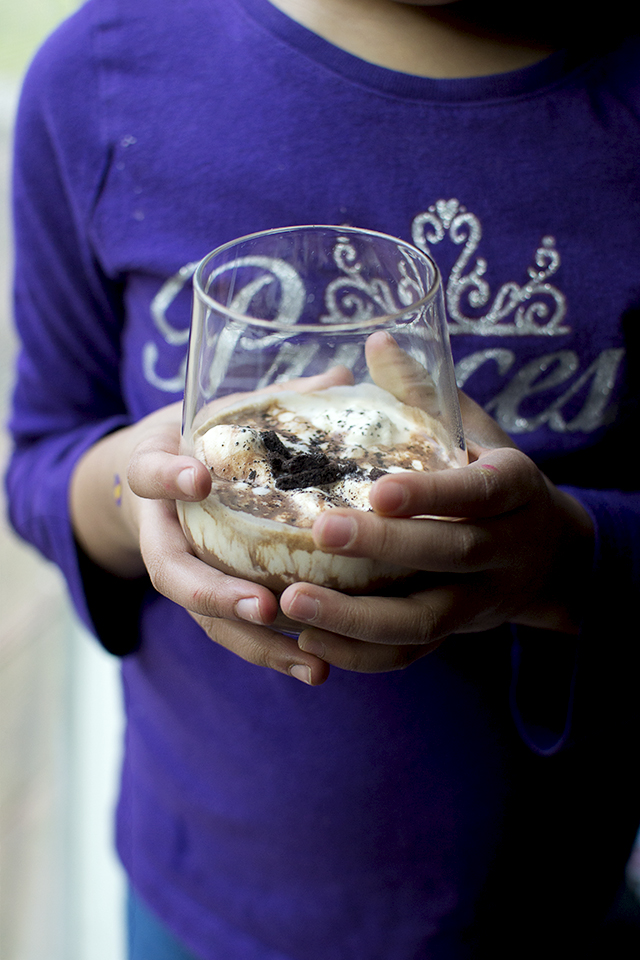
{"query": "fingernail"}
(312, 645)
(303, 608)
(390, 497)
(249, 609)
(187, 481)
(301, 672)
(336, 532)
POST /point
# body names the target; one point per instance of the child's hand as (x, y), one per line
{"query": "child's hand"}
(521, 554)
(158, 476)
(123, 497)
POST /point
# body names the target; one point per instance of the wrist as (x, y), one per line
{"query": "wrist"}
(104, 510)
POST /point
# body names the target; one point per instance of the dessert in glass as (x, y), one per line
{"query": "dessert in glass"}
(319, 360)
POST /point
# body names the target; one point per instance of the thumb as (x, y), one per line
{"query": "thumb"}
(157, 472)
(481, 431)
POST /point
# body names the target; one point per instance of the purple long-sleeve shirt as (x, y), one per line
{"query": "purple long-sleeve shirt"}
(385, 817)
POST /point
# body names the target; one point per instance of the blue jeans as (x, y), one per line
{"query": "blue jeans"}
(147, 937)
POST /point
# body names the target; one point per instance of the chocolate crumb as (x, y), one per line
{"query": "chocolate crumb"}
(376, 473)
(295, 471)
(314, 470)
(274, 445)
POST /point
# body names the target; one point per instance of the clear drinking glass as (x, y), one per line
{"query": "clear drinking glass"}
(319, 359)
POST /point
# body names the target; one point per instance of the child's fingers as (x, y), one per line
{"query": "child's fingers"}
(418, 619)
(157, 474)
(480, 429)
(178, 574)
(394, 370)
(155, 469)
(232, 612)
(360, 656)
(417, 544)
(266, 648)
(375, 634)
(499, 482)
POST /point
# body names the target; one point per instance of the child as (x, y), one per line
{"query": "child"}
(480, 799)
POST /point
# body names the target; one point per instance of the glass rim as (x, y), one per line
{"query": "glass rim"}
(377, 321)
